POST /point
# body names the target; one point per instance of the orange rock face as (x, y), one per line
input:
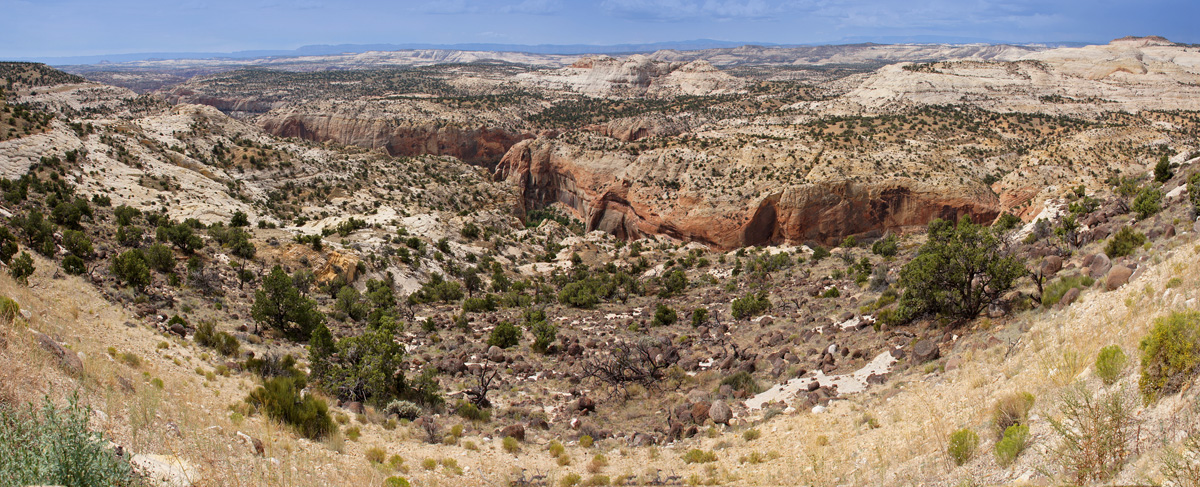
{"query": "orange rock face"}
(823, 212)
(473, 145)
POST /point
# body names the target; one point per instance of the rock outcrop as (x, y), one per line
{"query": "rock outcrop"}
(479, 145)
(600, 188)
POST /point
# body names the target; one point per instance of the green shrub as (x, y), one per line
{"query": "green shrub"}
(73, 265)
(750, 305)
(555, 448)
(1057, 289)
(544, 334)
(396, 481)
(1011, 409)
(9, 309)
(280, 399)
(1110, 362)
(664, 316)
(570, 480)
(887, 246)
(1124, 242)
(504, 335)
(54, 446)
(130, 267)
(78, 243)
(207, 336)
(467, 410)
(959, 271)
(21, 267)
(403, 409)
(674, 282)
(1011, 444)
(1147, 203)
(1170, 354)
(699, 316)
(741, 381)
(376, 455)
(963, 444)
(586, 441)
(160, 258)
(696, 455)
(819, 253)
(832, 292)
(751, 434)
(1162, 170)
(511, 445)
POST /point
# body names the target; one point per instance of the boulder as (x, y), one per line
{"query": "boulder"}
(1068, 298)
(516, 431)
(354, 407)
(643, 439)
(68, 359)
(925, 350)
(496, 354)
(586, 404)
(1051, 265)
(1099, 266)
(720, 412)
(1117, 277)
(163, 470)
(700, 411)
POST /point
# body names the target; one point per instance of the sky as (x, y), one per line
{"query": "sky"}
(47, 28)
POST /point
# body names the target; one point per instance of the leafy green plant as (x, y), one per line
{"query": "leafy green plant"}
(1170, 354)
(504, 335)
(1124, 242)
(1147, 203)
(511, 445)
(21, 267)
(750, 305)
(1110, 362)
(959, 271)
(696, 455)
(280, 399)
(130, 267)
(1011, 444)
(963, 444)
(664, 316)
(1011, 409)
(741, 381)
(1057, 289)
(54, 446)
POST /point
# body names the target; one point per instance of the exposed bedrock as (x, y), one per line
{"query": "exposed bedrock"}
(480, 145)
(599, 188)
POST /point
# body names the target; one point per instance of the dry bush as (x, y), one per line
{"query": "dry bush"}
(1011, 409)
(1098, 433)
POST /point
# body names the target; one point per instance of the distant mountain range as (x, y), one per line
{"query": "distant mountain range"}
(562, 49)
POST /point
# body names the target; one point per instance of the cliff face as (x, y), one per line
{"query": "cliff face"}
(473, 145)
(599, 189)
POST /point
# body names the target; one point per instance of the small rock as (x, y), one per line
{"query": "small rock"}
(643, 439)
(819, 409)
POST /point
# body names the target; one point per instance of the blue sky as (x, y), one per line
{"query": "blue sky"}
(40, 28)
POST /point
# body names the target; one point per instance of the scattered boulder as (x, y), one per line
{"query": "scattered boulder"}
(925, 350)
(68, 359)
(1068, 298)
(1051, 265)
(163, 470)
(1099, 266)
(700, 411)
(1117, 277)
(496, 354)
(354, 407)
(516, 431)
(720, 412)
(643, 439)
(586, 404)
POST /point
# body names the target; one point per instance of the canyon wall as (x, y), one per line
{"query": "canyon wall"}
(481, 145)
(598, 188)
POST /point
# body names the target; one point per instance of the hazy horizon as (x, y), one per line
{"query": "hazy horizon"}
(76, 28)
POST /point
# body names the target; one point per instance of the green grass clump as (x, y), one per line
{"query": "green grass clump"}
(1011, 409)
(1012, 444)
(280, 399)
(1110, 362)
(751, 434)
(963, 444)
(1057, 289)
(1170, 354)
(54, 446)
(511, 445)
(696, 455)
(396, 481)
(555, 448)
